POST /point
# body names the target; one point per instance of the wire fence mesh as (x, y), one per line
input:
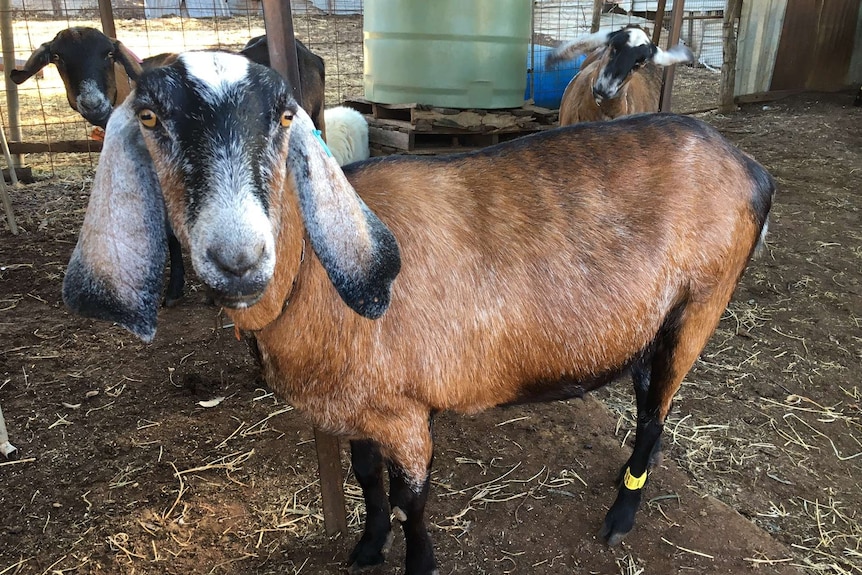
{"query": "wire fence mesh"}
(330, 28)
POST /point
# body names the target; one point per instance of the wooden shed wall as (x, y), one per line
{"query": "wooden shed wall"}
(788, 45)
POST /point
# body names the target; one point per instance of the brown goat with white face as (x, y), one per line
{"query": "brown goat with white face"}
(507, 275)
(621, 77)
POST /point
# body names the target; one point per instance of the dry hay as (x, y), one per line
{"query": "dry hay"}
(826, 535)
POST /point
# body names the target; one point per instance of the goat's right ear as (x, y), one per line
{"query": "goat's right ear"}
(131, 64)
(115, 272)
(37, 60)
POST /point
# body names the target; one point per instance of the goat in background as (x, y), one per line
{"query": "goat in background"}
(87, 61)
(622, 76)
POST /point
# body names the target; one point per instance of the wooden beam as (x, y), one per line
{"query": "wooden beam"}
(280, 39)
(597, 15)
(659, 21)
(106, 13)
(281, 43)
(8, 46)
(54, 147)
(728, 64)
(672, 40)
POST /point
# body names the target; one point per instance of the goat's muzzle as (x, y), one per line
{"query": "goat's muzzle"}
(238, 274)
(233, 253)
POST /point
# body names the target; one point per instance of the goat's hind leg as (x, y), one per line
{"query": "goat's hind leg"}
(657, 378)
(367, 464)
(632, 477)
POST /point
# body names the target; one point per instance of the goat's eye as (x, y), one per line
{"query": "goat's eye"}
(148, 118)
(55, 57)
(109, 56)
(286, 119)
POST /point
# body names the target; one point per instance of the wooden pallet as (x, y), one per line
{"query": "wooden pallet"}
(422, 129)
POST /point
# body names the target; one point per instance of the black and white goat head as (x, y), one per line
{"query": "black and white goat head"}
(624, 52)
(80, 55)
(223, 201)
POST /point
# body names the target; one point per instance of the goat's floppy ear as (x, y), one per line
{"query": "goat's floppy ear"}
(115, 272)
(676, 55)
(37, 60)
(357, 250)
(128, 60)
(578, 46)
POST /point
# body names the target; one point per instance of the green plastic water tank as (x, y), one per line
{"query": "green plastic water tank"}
(448, 53)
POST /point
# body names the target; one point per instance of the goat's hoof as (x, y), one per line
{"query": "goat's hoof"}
(367, 555)
(173, 297)
(616, 526)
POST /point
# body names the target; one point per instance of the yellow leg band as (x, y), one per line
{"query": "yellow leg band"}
(632, 482)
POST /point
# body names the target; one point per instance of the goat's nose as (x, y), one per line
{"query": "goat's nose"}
(237, 262)
(598, 95)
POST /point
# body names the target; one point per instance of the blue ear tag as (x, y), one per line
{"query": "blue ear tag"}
(319, 135)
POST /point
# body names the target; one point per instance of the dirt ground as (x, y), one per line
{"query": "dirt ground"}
(122, 470)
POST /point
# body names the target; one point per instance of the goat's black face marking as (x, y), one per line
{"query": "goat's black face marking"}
(219, 120)
(630, 49)
(223, 112)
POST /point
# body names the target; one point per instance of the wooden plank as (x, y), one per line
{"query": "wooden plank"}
(728, 66)
(760, 27)
(770, 96)
(597, 16)
(391, 138)
(854, 73)
(672, 40)
(659, 21)
(74, 146)
(331, 482)
(816, 45)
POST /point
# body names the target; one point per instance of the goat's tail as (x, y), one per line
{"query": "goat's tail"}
(763, 192)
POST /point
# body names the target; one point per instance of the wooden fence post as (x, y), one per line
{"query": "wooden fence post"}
(728, 64)
(282, 56)
(672, 40)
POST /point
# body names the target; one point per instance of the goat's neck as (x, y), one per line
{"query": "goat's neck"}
(291, 250)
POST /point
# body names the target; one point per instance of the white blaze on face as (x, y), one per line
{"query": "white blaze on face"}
(232, 227)
(637, 37)
(232, 230)
(216, 70)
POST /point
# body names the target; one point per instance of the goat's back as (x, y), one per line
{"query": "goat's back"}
(553, 256)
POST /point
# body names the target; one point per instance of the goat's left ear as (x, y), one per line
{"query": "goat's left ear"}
(357, 250)
(40, 58)
(115, 272)
(128, 60)
(677, 55)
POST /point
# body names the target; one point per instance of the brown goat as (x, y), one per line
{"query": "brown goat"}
(507, 275)
(622, 75)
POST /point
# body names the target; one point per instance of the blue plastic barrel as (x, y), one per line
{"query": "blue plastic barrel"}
(548, 84)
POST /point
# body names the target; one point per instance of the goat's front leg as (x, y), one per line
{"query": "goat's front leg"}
(368, 468)
(176, 281)
(408, 498)
(409, 481)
